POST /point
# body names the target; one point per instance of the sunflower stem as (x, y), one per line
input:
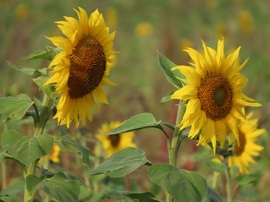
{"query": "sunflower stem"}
(176, 141)
(228, 181)
(44, 116)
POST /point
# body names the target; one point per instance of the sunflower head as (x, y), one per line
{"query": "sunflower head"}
(247, 148)
(117, 142)
(214, 94)
(81, 68)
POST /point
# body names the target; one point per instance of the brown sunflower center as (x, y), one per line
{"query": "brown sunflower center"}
(239, 148)
(87, 67)
(216, 95)
(115, 139)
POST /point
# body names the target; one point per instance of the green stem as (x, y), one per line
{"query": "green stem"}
(4, 174)
(228, 182)
(176, 141)
(44, 115)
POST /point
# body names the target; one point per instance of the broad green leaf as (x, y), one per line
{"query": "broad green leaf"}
(40, 81)
(166, 66)
(248, 178)
(181, 184)
(219, 167)
(26, 149)
(213, 196)
(141, 197)
(122, 163)
(15, 107)
(29, 71)
(40, 55)
(16, 187)
(74, 146)
(140, 121)
(60, 187)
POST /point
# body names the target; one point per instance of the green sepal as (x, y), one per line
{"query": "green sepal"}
(122, 163)
(167, 98)
(40, 55)
(15, 107)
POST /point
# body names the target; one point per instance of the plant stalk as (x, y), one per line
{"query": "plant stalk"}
(44, 115)
(228, 182)
(176, 141)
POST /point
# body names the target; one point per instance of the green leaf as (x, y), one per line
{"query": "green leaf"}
(14, 188)
(122, 163)
(59, 186)
(29, 71)
(181, 184)
(140, 121)
(248, 178)
(40, 81)
(141, 197)
(213, 196)
(40, 55)
(15, 107)
(218, 167)
(26, 149)
(74, 146)
(167, 98)
(172, 76)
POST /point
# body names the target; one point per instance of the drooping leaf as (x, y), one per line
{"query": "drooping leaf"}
(172, 76)
(180, 184)
(15, 107)
(122, 163)
(248, 178)
(139, 121)
(141, 197)
(29, 71)
(60, 187)
(26, 149)
(74, 146)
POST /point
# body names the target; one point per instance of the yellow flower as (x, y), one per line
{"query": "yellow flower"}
(21, 11)
(247, 148)
(82, 67)
(144, 29)
(214, 94)
(245, 20)
(117, 142)
(54, 155)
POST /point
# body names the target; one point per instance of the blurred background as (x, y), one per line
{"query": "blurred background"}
(143, 27)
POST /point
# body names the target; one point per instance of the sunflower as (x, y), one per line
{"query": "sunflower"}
(82, 66)
(54, 155)
(214, 94)
(247, 148)
(117, 142)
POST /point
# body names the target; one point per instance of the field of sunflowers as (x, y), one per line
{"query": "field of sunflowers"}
(136, 49)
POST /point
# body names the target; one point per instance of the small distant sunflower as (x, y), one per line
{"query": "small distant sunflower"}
(247, 148)
(54, 155)
(82, 67)
(117, 142)
(214, 94)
